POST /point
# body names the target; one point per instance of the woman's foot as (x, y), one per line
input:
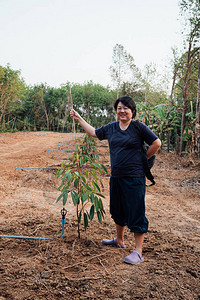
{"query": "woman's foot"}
(134, 258)
(112, 243)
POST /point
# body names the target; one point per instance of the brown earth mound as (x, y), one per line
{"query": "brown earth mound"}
(73, 268)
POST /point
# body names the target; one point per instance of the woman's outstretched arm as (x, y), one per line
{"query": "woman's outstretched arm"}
(87, 127)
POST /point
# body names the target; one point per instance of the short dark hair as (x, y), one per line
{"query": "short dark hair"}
(127, 101)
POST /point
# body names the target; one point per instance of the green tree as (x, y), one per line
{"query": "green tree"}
(12, 89)
(190, 11)
(94, 102)
(197, 127)
(123, 69)
(45, 107)
(154, 86)
(148, 77)
(176, 65)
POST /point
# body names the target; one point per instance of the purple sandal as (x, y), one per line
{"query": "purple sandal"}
(112, 243)
(134, 258)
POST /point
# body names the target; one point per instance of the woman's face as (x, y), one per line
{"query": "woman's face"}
(124, 113)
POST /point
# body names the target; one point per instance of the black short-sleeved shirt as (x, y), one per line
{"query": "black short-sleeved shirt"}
(125, 148)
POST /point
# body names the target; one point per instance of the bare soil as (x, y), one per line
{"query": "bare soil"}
(72, 268)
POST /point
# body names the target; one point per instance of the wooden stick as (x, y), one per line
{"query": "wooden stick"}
(70, 95)
(83, 278)
(102, 265)
(82, 262)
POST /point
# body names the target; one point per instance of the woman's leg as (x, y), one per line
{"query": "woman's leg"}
(139, 239)
(120, 234)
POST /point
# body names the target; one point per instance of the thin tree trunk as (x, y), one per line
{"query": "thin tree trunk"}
(184, 94)
(88, 113)
(53, 121)
(146, 97)
(197, 127)
(168, 140)
(4, 101)
(13, 124)
(58, 123)
(165, 124)
(177, 144)
(66, 112)
(171, 95)
(74, 128)
(3, 109)
(44, 107)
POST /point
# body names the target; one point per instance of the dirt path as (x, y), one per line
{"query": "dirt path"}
(82, 268)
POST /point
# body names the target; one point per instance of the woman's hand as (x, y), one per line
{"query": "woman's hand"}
(87, 127)
(75, 115)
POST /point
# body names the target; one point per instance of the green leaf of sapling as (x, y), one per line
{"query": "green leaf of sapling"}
(94, 174)
(69, 177)
(96, 203)
(75, 198)
(101, 195)
(76, 181)
(96, 185)
(76, 146)
(65, 196)
(100, 204)
(99, 217)
(92, 198)
(91, 212)
(61, 195)
(104, 168)
(84, 197)
(60, 173)
(86, 186)
(60, 187)
(85, 220)
(81, 161)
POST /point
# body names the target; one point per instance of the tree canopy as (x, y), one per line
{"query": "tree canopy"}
(173, 116)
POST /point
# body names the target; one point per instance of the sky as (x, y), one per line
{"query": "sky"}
(55, 41)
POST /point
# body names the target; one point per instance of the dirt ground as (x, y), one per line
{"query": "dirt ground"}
(73, 268)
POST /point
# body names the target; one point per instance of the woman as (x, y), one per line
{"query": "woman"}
(127, 181)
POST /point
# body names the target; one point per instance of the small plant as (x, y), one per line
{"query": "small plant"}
(80, 179)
